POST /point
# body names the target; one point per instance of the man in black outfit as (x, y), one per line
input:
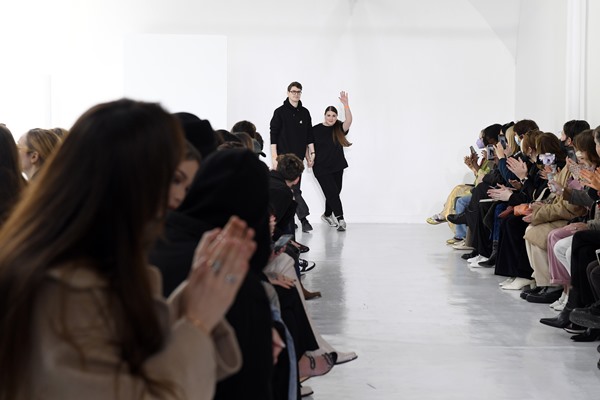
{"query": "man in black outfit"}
(291, 132)
(281, 198)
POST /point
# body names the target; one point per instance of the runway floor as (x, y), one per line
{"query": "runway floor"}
(425, 326)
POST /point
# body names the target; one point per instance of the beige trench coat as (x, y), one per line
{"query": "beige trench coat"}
(190, 359)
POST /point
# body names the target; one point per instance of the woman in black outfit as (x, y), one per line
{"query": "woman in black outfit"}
(329, 161)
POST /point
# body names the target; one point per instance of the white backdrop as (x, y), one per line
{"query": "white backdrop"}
(424, 77)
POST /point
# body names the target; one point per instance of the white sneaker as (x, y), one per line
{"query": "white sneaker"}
(341, 225)
(306, 391)
(476, 264)
(518, 284)
(507, 281)
(473, 259)
(329, 220)
(462, 246)
(559, 301)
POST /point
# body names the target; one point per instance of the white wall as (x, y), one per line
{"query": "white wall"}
(593, 70)
(424, 77)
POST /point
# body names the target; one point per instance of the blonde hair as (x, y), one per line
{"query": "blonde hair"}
(42, 141)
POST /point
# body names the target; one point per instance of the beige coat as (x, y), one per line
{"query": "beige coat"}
(551, 216)
(190, 359)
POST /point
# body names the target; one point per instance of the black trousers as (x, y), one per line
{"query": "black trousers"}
(475, 213)
(512, 260)
(302, 207)
(583, 252)
(331, 184)
(593, 273)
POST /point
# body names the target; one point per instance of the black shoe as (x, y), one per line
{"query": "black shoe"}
(560, 321)
(547, 295)
(526, 292)
(301, 247)
(469, 255)
(306, 266)
(306, 226)
(575, 329)
(457, 219)
(590, 335)
(588, 317)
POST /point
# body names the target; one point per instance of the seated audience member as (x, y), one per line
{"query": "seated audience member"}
(198, 132)
(60, 132)
(246, 127)
(512, 260)
(184, 175)
(560, 239)
(35, 147)
(246, 140)
(81, 313)
(229, 182)
(12, 182)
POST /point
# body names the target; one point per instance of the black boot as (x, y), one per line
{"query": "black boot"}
(590, 335)
(561, 320)
(457, 219)
(491, 262)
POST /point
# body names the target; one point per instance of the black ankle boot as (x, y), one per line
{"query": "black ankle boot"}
(561, 320)
(457, 219)
(491, 262)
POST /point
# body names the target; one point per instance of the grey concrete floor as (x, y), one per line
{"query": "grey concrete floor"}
(425, 326)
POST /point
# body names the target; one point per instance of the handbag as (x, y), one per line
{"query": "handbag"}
(522, 209)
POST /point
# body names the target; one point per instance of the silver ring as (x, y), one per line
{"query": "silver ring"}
(216, 266)
(229, 278)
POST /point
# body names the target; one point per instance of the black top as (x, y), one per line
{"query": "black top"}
(281, 200)
(291, 129)
(330, 154)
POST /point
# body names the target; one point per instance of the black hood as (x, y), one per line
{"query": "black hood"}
(232, 182)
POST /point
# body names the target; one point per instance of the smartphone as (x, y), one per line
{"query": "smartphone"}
(282, 242)
(571, 154)
(490, 152)
(473, 150)
(503, 141)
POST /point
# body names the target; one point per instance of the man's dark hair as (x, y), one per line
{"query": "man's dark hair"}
(289, 166)
(523, 126)
(574, 127)
(244, 126)
(296, 84)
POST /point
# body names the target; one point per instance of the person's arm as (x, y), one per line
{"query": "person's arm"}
(275, 127)
(347, 112)
(310, 154)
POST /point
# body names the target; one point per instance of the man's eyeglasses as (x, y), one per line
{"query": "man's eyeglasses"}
(296, 91)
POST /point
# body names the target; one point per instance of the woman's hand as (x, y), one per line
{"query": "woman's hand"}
(502, 193)
(344, 98)
(577, 226)
(591, 178)
(515, 183)
(281, 280)
(219, 267)
(500, 151)
(517, 167)
(278, 344)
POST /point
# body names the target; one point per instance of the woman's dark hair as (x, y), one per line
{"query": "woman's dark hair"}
(491, 132)
(338, 129)
(191, 153)
(11, 178)
(525, 125)
(574, 127)
(99, 200)
(506, 126)
(585, 141)
(549, 143)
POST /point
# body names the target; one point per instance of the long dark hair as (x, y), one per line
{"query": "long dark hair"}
(12, 181)
(95, 201)
(338, 130)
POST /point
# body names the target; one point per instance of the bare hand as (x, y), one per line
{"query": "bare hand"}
(278, 344)
(219, 267)
(528, 218)
(516, 184)
(344, 98)
(500, 150)
(591, 178)
(502, 193)
(281, 280)
(517, 167)
(577, 226)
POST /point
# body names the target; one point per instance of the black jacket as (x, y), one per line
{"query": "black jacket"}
(281, 200)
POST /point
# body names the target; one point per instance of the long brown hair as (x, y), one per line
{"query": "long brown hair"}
(94, 201)
(338, 130)
(11, 179)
